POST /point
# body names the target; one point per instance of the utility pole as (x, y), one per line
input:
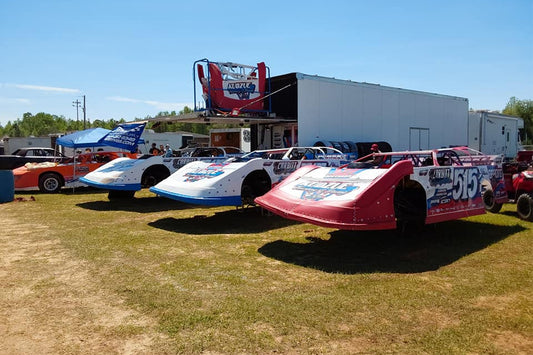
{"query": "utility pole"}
(84, 112)
(77, 105)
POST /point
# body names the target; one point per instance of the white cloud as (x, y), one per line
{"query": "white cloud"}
(14, 100)
(43, 88)
(161, 106)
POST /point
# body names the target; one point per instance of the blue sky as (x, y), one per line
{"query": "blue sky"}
(134, 58)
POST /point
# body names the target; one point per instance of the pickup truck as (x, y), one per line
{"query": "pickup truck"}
(30, 155)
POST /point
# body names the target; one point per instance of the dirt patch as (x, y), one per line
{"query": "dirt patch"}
(511, 343)
(49, 303)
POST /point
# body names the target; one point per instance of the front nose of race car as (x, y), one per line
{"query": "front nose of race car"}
(352, 199)
(203, 184)
(363, 212)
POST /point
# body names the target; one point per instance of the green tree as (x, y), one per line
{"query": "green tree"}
(43, 124)
(37, 125)
(523, 109)
(160, 127)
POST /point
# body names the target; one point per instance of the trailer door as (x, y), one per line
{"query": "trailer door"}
(418, 138)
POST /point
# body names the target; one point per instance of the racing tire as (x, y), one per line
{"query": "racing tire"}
(247, 195)
(524, 207)
(490, 202)
(114, 195)
(50, 183)
(256, 184)
(410, 210)
(153, 177)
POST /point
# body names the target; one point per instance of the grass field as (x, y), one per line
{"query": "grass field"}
(190, 279)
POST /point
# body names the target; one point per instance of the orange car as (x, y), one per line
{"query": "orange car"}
(50, 177)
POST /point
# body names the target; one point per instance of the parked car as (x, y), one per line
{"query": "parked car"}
(123, 177)
(22, 156)
(391, 190)
(238, 181)
(50, 177)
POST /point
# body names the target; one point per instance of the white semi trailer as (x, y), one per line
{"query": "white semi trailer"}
(328, 109)
(494, 133)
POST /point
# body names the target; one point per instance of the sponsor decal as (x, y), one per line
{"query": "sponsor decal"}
(285, 167)
(335, 173)
(439, 177)
(441, 197)
(180, 162)
(123, 165)
(322, 163)
(496, 175)
(459, 189)
(125, 136)
(210, 172)
(320, 190)
(242, 89)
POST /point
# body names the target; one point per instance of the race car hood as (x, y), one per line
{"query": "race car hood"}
(118, 173)
(340, 198)
(204, 183)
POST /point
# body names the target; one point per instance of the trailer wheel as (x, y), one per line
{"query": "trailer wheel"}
(490, 202)
(524, 207)
(50, 183)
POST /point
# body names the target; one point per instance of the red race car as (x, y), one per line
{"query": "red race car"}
(51, 177)
(391, 190)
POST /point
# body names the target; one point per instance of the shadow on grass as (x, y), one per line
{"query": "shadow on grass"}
(510, 213)
(352, 252)
(141, 205)
(235, 221)
(66, 191)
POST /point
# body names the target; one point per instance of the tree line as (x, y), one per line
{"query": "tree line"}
(43, 124)
(523, 109)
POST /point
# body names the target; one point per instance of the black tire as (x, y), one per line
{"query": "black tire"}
(114, 195)
(256, 184)
(524, 207)
(247, 195)
(410, 209)
(490, 202)
(154, 176)
(50, 183)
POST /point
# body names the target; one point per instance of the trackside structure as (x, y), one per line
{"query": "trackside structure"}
(328, 109)
(494, 133)
(297, 109)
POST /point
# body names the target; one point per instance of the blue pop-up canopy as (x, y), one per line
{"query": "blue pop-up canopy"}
(120, 137)
(86, 138)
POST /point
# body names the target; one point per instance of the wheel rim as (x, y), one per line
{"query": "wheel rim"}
(51, 184)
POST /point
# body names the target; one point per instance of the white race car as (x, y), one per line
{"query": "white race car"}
(238, 181)
(122, 177)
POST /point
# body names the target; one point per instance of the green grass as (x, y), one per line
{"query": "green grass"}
(235, 281)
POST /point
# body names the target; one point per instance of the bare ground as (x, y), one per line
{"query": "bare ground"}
(49, 304)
